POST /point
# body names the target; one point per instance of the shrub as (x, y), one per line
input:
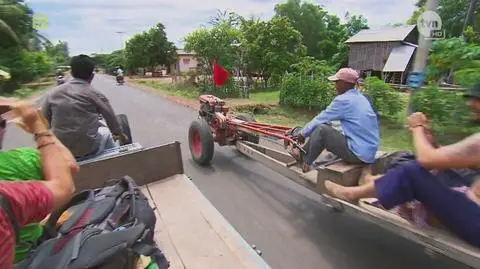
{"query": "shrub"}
(305, 92)
(387, 101)
(444, 108)
(307, 86)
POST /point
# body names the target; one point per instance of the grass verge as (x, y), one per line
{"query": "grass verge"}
(190, 93)
(31, 89)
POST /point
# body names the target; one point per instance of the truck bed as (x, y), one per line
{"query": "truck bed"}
(189, 230)
(192, 233)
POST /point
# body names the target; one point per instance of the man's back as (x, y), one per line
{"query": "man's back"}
(360, 125)
(73, 116)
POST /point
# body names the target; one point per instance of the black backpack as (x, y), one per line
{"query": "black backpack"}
(107, 228)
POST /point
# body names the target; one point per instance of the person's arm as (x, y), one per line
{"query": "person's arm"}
(56, 169)
(463, 154)
(335, 111)
(104, 107)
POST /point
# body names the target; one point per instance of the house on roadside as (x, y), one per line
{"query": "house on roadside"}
(384, 52)
(186, 62)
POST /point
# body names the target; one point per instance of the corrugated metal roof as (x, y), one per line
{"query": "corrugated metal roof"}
(399, 58)
(382, 34)
(183, 52)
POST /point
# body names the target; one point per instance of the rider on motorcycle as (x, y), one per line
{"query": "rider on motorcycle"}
(73, 113)
(60, 77)
(119, 73)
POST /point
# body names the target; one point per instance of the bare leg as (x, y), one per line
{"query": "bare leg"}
(367, 176)
(351, 193)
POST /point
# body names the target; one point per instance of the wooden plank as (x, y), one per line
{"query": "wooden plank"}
(145, 166)
(164, 239)
(294, 173)
(193, 233)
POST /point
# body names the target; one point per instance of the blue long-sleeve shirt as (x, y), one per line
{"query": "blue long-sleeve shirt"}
(359, 123)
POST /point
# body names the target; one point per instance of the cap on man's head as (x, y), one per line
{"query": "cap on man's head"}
(345, 74)
(473, 92)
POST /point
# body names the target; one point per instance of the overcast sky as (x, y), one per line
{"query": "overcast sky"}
(91, 25)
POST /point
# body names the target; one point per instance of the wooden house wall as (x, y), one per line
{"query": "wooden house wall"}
(370, 56)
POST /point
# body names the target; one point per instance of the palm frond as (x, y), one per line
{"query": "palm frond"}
(8, 32)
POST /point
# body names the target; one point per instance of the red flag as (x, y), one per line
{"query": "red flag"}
(220, 75)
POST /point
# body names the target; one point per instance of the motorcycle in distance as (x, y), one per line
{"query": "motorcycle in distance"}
(120, 79)
(60, 80)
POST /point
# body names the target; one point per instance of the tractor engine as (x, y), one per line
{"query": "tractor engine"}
(215, 112)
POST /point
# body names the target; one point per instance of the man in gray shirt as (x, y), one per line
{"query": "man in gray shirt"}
(73, 110)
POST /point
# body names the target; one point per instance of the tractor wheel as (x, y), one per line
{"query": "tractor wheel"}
(250, 137)
(200, 140)
(125, 126)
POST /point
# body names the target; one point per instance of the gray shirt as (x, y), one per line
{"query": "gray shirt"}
(72, 110)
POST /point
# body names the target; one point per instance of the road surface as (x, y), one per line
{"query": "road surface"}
(286, 222)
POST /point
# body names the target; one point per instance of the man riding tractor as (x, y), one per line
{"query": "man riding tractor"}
(73, 110)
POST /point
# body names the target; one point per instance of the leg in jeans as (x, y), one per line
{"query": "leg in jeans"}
(411, 182)
(327, 137)
(106, 140)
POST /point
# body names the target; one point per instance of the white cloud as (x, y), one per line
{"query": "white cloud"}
(91, 26)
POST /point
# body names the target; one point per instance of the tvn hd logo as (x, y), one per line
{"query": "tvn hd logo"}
(429, 25)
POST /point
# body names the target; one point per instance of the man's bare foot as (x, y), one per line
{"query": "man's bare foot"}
(339, 191)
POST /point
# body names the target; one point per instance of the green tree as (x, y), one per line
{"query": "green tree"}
(449, 57)
(354, 24)
(58, 52)
(271, 47)
(149, 49)
(453, 14)
(321, 32)
(13, 22)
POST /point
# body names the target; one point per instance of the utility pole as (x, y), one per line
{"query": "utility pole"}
(421, 54)
(121, 33)
(470, 12)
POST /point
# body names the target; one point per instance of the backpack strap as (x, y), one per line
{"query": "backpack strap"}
(5, 205)
(50, 227)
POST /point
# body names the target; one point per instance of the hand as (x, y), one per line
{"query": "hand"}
(122, 138)
(28, 117)
(417, 119)
(300, 139)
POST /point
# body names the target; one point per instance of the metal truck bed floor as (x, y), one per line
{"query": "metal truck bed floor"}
(192, 233)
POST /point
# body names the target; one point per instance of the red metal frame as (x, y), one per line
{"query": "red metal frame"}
(272, 130)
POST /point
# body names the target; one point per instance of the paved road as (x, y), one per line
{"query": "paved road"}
(285, 221)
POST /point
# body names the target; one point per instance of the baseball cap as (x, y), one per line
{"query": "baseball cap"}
(473, 92)
(345, 74)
